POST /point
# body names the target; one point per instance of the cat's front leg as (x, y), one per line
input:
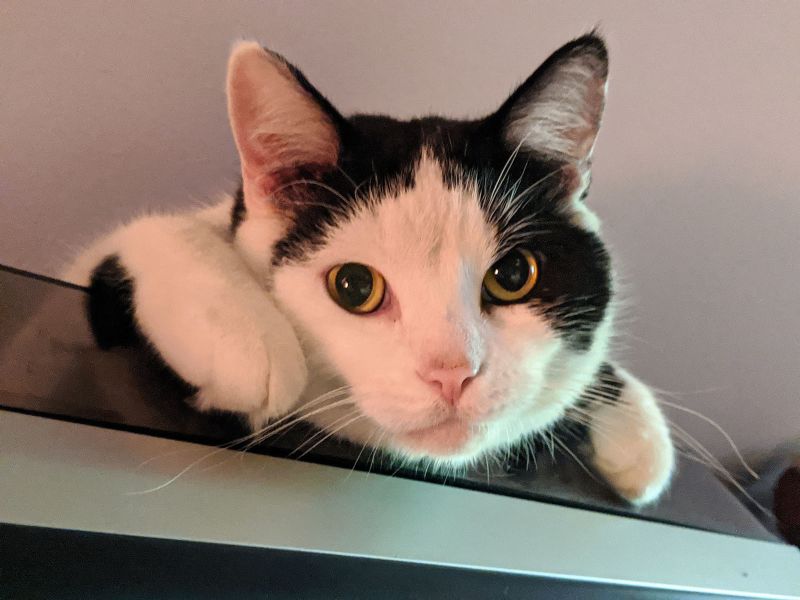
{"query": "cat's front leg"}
(630, 441)
(178, 282)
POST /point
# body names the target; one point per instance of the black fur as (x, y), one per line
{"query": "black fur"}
(110, 305)
(606, 388)
(238, 210)
(378, 155)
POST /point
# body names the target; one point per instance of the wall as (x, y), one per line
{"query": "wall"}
(108, 109)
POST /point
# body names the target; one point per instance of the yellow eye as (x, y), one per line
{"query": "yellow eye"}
(511, 278)
(356, 288)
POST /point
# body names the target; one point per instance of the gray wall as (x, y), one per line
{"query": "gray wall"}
(108, 109)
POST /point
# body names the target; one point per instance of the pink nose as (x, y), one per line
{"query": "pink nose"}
(450, 382)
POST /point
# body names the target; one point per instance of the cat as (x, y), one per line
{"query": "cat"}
(449, 273)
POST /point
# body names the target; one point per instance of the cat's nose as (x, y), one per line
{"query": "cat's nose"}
(450, 382)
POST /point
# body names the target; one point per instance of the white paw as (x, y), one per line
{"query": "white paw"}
(259, 374)
(631, 445)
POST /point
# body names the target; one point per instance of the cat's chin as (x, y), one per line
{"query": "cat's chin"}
(448, 439)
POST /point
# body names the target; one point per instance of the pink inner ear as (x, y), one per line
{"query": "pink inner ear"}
(266, 183)
(264, 153)
(277, 124)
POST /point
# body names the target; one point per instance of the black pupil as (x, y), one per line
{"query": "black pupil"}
(354, 284)
(511, 271)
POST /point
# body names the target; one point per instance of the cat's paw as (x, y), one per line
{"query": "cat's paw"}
(259, 373)
(631, 445)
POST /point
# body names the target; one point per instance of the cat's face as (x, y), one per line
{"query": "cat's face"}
(448, 271)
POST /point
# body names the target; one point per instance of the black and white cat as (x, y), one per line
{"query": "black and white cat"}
(449, 273)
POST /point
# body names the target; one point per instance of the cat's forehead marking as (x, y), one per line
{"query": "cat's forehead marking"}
(433, 223)
(430, 158)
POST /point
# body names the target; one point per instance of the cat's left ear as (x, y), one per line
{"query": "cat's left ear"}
(556, 112)
(282, 125)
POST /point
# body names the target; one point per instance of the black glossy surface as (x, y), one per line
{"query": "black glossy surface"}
(49, 365)
(61, 565)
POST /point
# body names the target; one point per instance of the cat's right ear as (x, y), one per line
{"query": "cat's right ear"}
(281, 124)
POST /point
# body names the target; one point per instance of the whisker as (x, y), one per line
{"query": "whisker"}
(507, 167)
(223, 446)
(350, 179)
(333, 432)
(375, 450)
(249, 436)
(358, 458)
(283, 425)
(739, 488)
(716, 426)
(178, 475)
(403, 463)
(321, 432)
(581, 464)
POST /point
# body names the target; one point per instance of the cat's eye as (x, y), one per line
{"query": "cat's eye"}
(356, 288)
(511, 278)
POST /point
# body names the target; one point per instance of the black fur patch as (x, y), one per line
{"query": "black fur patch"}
(606, 388)
(238, 210)
(110, 305)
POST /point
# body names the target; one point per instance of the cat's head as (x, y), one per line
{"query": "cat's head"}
(449, 271)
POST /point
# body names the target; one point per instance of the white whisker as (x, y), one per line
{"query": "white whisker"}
(333, 432)
(716, 426)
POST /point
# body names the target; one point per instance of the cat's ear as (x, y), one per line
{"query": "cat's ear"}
(556, 112)
(281, 124)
